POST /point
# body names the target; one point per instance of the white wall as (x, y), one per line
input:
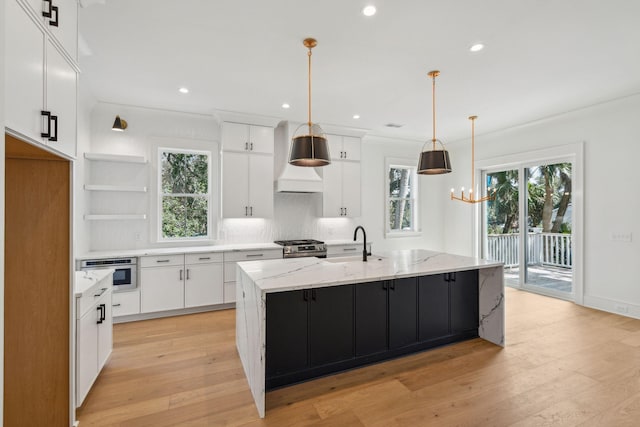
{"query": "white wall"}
(81, 203)
(611, 137)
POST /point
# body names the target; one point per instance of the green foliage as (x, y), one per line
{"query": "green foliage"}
(400, 203)
(185, 206)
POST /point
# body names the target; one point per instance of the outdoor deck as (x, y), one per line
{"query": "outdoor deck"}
(544, 276)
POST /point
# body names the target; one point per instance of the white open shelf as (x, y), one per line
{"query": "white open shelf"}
(114, 217)
(128, 188)
(122, 158)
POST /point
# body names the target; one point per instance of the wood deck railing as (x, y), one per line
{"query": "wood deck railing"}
(542, 249)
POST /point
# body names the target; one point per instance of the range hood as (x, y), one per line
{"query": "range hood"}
(292, 179)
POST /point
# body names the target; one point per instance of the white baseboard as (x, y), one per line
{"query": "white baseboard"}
(613, 306)
(169, 313)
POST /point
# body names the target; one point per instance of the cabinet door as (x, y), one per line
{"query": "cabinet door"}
(67, 30)
(403, 312)
(229, 292)
(331, 325)
(351, 188)
(371, 318)
(105, 331)
(87, 353)
(24, 72)
(235, 136)
(286, 328)
(261, 186)
(203, 285)
(61, 100)
(235, 185)
(161, 288)
(351, 148)
(464, 301)
(335, 146)
(433, 303)
(261, 139)
(332, 190)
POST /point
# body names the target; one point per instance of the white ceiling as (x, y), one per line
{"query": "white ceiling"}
(542, 57)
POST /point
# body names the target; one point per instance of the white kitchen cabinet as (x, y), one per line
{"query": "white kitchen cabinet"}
(177, 281)
(62, 22)
(161, 288)
(231, 258)
(344, 147)
(247, 138)
(247, 185)
(126, 303)
(38, 78)
(203, 280)
(341, 189)
(94, 335)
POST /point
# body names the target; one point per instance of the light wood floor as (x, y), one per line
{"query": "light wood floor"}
(563, 365)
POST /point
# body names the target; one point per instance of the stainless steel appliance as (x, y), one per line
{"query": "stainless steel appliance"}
(302, 248)
(125, 276)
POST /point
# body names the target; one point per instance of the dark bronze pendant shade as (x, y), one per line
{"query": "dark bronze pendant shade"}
(309, 147)
(434, 161)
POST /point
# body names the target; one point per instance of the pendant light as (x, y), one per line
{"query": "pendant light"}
(434, 162)
(470, 198)
(309, 144)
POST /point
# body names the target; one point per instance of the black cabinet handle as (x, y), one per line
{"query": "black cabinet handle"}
(305, 295)
(54, 136)
(46, 114)
(54, 21)
(313, 294)
(251, 145)
(246, 211)
(188, 275)
(104, 312)
(452, 277)
(116, 305)
(99, 308)
(47, 13)
(392, 286)
(246, 146)
(250, 210)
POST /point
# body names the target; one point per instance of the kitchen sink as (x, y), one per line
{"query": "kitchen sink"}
(344, 259)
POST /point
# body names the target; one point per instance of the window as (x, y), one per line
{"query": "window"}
(402, 193)
(184, 199)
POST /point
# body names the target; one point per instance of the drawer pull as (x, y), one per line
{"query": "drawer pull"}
(254, 255)
(349, 249)
(116, 305)
(102, 291)
(204, 258)
(162, 260)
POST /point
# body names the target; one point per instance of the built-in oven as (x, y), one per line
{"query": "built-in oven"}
(125, 276)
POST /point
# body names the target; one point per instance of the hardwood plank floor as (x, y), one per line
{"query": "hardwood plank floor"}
(564, 365)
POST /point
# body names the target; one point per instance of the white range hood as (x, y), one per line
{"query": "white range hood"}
(292, 179)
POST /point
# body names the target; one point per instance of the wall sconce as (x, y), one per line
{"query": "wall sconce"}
(119, 124)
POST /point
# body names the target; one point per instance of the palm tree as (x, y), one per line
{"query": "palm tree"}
(504, 208)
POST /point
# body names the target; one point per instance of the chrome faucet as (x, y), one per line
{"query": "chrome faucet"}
(364, 233)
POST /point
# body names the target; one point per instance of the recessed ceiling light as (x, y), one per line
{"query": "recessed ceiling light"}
(183, 90)
(285, 106)
(356, 116)
(476, 47)
(369, 10)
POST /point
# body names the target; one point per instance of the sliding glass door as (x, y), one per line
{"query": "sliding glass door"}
(529, 225)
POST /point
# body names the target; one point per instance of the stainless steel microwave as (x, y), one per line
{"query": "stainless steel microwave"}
(125, 274)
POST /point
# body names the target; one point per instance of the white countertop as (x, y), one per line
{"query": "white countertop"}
(86, 279)
(178, 250)
(300, 273)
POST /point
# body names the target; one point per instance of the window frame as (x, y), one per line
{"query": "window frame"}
(160, 194)
(415, 201)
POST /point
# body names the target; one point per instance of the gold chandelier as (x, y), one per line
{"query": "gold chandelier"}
(470, 198)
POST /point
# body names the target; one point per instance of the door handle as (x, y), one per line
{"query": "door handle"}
(246, 211)
(392, 286)
(99, 308)
(47, 13)
(246, 146)
(54, 119)
(384, 285)
(54, 11)
(251, 145)
(452, 277)
(47, 115)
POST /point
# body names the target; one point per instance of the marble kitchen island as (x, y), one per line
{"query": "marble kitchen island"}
(301, 318)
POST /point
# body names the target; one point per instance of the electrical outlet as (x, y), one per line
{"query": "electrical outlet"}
(619, 236)
(621, 308)
(136, 236)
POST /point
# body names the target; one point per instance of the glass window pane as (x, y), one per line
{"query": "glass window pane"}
(184, 217)
(400, 182)
(184, 173)
(400, 215)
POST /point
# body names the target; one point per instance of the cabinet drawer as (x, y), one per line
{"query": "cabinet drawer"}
(125, 303)
(161, 260)
(91, 297)
(203, 258)
(253, 255)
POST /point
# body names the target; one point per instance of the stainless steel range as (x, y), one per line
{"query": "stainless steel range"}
(303, 248)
